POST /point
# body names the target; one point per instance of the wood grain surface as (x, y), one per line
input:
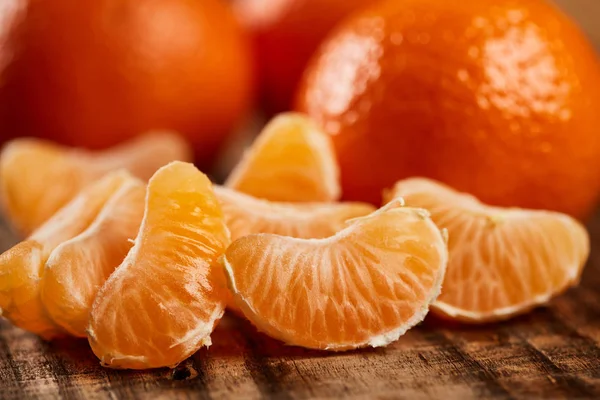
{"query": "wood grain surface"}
(553, 352)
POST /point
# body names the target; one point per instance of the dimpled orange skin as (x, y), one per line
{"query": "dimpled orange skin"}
(95, 73)
(496, 98)
(285, 34)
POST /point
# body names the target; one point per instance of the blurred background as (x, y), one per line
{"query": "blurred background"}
(587, 14)
(496, 98)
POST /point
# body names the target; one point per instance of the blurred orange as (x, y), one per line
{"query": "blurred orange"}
(496, 98)
(286, 33)
(93, 73)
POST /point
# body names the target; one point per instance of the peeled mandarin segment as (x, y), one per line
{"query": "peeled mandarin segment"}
(144, 155)
(78, 267)
(364, 286)
(162, 303)
(38, 177)
(291, 160)
(20, 270)
(503, 261)
(22, 267)
(246, 215)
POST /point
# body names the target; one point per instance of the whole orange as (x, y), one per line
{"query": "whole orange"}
(499, 98)
(286, 33)
(93, 73)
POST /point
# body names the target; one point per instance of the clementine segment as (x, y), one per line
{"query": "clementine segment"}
(246, 215)
(142, 156)
(497, 98)
(22, 267)
(162, 303)
(364, 286)
(503, 261)
(39, 177)
(291, 160)
(20, 271)
(78, 267)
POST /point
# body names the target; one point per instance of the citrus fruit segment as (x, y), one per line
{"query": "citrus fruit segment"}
(78, 267)
(246, 215)
(291, 160)
(38, 177)
(142, 156)
(22, 267)
(161, 304)
(503, 261)
(364, 286)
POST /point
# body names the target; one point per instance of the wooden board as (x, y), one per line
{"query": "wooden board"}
(553, 352)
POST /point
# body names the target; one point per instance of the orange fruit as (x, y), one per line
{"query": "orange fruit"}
(497, 98)
(503, 261)
(281, 25)
(291, 160)
(163, 301)
(22, 267)
(246, 215)
(39, 177)
(165, 64)
(78, 267)
(364, 286)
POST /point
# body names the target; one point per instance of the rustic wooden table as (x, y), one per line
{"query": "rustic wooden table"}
(553, 352)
